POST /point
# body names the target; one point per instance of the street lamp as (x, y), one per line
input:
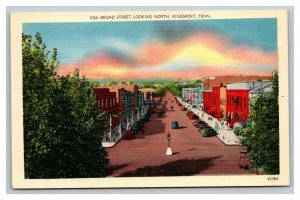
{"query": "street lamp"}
(169, 151)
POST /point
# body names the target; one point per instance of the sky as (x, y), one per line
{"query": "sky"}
(185, 49)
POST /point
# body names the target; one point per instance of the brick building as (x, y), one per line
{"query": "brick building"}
(118, 90)
(239, 96)
(211, 102)
(107, 103)
(237, 109)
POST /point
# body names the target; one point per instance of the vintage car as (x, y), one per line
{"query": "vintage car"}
(202, 126)
(174, 125)
(128, 135)
(208, 132)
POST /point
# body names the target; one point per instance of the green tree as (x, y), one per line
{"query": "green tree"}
(38, 82)
(261, 134)
(79, 151)
(63, 128)
(160, 91)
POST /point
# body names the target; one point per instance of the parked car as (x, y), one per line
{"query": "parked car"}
(197, 122)
(128, 135)
(135, 128)
(144, 118)
(140, 123)
(193, 116)
(202, 126)
(208, 132)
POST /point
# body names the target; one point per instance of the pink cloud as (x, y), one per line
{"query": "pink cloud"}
(159, 53)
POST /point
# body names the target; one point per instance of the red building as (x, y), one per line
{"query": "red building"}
(211, 102)
(237, 107)
(107, 103)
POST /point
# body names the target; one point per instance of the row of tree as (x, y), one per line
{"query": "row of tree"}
(175, 88)
(63, 128)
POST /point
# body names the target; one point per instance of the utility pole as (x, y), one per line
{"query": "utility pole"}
(169, 151)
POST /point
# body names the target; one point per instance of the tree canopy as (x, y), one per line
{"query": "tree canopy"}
(261, 132)
(63, 128)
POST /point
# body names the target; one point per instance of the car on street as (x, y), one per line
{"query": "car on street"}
(174, 125)
(208, 132)
(197, 122)
(202, 126)
(128, 135)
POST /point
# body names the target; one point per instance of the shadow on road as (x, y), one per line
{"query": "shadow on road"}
(183, 167)
(181, 127)
(117, 167)
(154, 126)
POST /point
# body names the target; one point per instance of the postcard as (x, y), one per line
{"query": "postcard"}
(139, 99)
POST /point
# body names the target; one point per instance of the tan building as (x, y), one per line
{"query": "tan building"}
(119, 90)
(223, 97)
(145, 91)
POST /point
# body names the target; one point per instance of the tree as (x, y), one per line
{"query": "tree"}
(79, 151)
(38, 82)
(63, 128)
(159, 92)
(261, 135)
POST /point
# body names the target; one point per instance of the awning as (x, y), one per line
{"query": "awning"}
(137, 108)
(116, 116)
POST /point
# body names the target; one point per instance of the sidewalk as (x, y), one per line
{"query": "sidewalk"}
(224, 133)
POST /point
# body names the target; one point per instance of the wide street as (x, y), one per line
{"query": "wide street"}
(192, 153)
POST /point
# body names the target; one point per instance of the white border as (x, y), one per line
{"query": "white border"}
(204, 181)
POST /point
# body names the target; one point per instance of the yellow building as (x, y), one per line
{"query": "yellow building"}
(145, 91)
(223, 98)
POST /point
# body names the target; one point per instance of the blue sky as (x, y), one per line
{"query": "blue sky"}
(129, 49)
(76, 40)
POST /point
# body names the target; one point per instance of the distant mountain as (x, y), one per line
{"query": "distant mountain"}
(139, 80)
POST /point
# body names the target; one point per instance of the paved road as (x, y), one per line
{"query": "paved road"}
(192, 153)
